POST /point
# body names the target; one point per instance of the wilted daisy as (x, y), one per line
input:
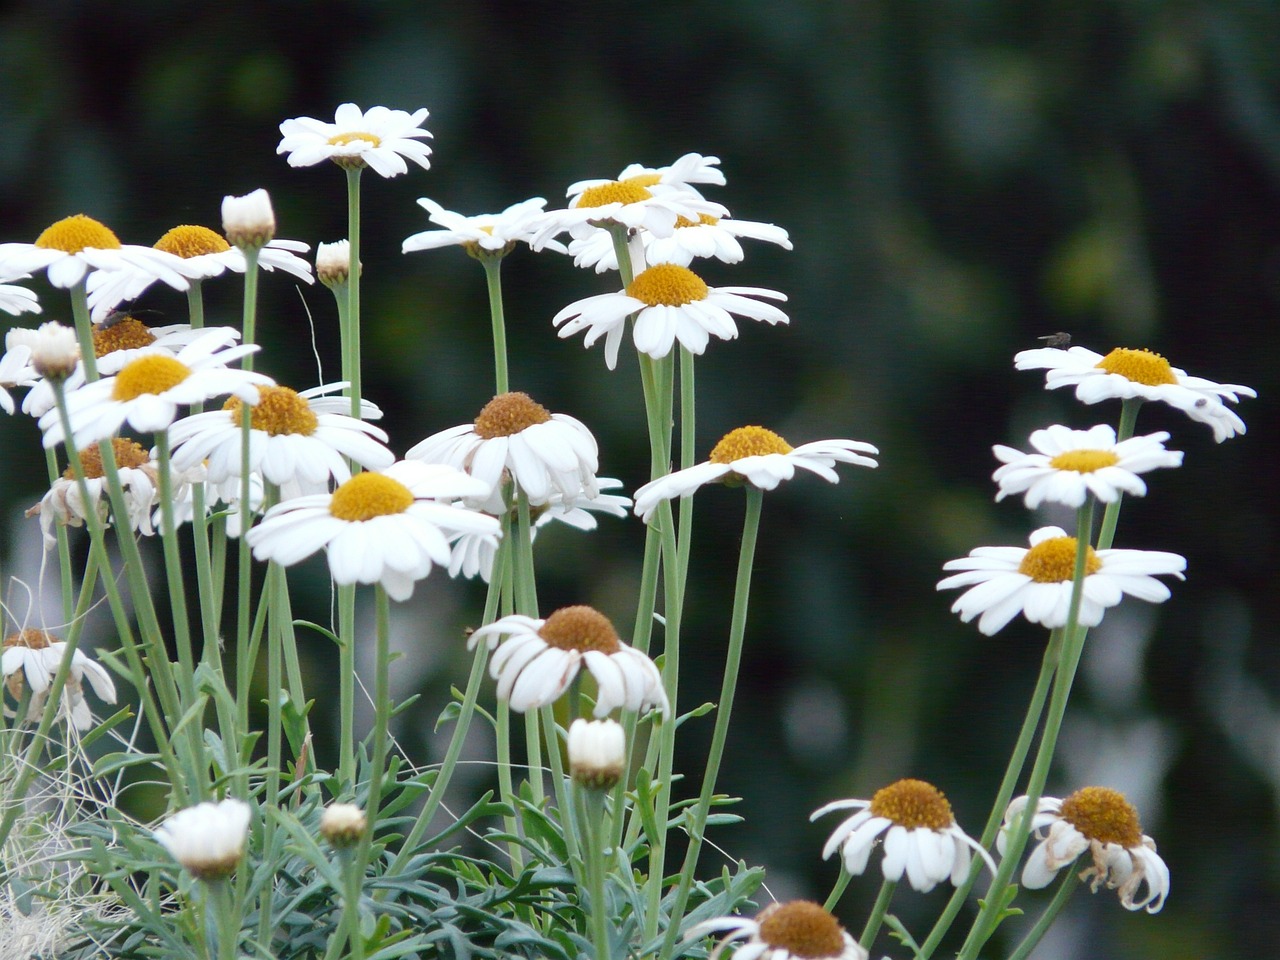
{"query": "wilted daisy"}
(486, 234)
(539, 659)
(379, 138)
(1104, 823)
(1036, 582)
(1125, 374)
(297, 441)
(921, 836)
(707, 236)
(387, 527)
(15, 300)
(73, 246)
(756, 456)
(798, 930)
(32, 658)
(544, 453)
(207, 839)
(670, 303)
(147, 390)
(1071, 464)
(139, 478)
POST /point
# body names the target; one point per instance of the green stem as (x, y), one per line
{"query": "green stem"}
(493, 280)
(352, 879)
(351, 346)
(173, 571)
(64, 544)
(877, 914)
(1066, 887)
(837, 891)
(1111, 516)
(346, 686)
(226, 924)
(244, 557)
(593, 820)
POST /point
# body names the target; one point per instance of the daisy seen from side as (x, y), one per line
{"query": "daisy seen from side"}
(1036, 582)
(482, 235)
(15, 299)
(756, 456)
(208, 839)
(708, 236)
(139, 479)
(32, 657)
(379, 138)
(15, 369)
(1101, 822)
(539, 659)
(796, 930)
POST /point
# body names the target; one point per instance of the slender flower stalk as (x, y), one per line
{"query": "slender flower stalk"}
(878, 911)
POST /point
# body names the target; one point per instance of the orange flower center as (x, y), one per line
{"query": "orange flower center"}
(580, 628)
(913, 804)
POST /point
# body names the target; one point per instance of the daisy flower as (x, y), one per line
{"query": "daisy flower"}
(1127, 374)
(379, 138)
(756, 456)
(1006, 581)
(798, 930)
(1071, 464)
(689, 169)
(487, 234)
(147, 389)
(545, 454)
(297, 441)
(15, 369)
(15, 300)
(1104, 823)
(921, 836)
(387, 527)
(31, 658)
(670, 303)
(70, 248)
(540, 659)
(207, 839)
(139, 478)
(707, 236)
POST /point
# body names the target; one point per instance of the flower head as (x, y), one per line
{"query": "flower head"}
(921, 836)
(1006, 581)
(387, 527)
(597, 752)
(706, 236)
(540, 659)
(15, 300)
(333, 263)
(670, 303)
(343, 824)
(756, 456)
(1071, 464)
(15, 368)
(207, 839)
(483, 235)
(1104, 823)
(798, 930)
(249, 221)
(32, 658)
(379, 138)
(1125, 374)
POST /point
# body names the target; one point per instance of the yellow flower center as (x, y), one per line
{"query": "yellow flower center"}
(801, 928)
(127, 334)
(278, 412)
(667, 285)
(73, 234)
(128, 453)
(913, 804)
(1084, 461)
(644, 179)
(617, 191)
(152, 374)
(704, 220)
(747, 442)
(1054, 561)
(1140, 366)
(30, 638)
(509, 413)
(369, 495)
(1103, 815)
(189, 241)
(342, 139)
(580, 628)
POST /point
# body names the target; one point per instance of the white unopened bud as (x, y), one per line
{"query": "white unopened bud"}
(54, 348)
(597, 753)
(333, 262)
(248, 221)
(207, 839)
(343, 824)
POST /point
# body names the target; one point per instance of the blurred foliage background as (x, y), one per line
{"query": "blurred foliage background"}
(958, 177)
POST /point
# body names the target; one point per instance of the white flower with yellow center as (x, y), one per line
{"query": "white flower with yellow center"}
(15, 300)
(1126, 374)
(208, 839)
(707, 236)
(297, 441)
(1103, 823)
(70, 248)
(15, 369)
(921, 836)
(539, 659)
(797, 930)
(31, 658)
(670, 303)
(139, 477)
(756, 456)
(148, 389)
(483, 235)
(1006, 581)
(545, 454)
(683, 174)
(1071, 464)
(386, 527)
(379, 138)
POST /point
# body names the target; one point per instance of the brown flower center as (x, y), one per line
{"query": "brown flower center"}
(509, 413)
(1054, 561)
(747, 442)
(580, 628)
(189, 241)
(1140, 366)
(666, 284)
(913, 804)
(30, 638)
(1103, 815)
(127, 334)
(128, 453)
(802, 928)
(73, 234)
(278, 412)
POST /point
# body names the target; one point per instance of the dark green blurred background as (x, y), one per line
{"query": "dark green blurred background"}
(958, 178)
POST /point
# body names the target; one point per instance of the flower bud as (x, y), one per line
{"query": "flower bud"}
(248, 221)
(207, 839)
(597, 753)
(333, 263)
(342, 824)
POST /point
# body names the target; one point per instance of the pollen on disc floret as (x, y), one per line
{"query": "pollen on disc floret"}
(280, 411)
(666, 284)
(190, 240)
(75, 233)
(1054, 560)
(580, 628)
(748, 442)
(508, 414)
(913, 804)
(369, 495)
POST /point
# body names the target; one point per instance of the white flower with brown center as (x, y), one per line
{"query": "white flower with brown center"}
(1006, 581)
(1125, 374)
(387, 527)
(139, 477)
(544, 454)
(756, 456)
(379, 138)
(798, 930)
(208, 839)
(671, 303)
(921, 836)
(1069, 465)
(1103, 823)
(32, 657)
(539, 659)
